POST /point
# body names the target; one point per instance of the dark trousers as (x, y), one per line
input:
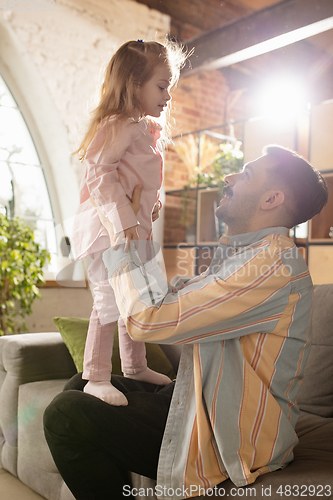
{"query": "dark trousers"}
(94, 444)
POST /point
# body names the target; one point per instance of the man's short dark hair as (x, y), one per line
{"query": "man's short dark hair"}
(303, 184)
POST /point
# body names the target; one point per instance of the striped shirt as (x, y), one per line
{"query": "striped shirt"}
(245, 326)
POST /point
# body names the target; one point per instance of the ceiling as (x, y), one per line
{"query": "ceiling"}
(219, 30)
(190, 18)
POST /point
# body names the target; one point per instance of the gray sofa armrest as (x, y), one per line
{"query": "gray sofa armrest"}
(35, 356)
(35, 465)
(26, 358)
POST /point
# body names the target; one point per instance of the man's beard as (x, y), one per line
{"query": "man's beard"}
(227, 191)
(220, 211)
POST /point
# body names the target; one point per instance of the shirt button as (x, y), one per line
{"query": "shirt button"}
(170, 440)
(178, 402)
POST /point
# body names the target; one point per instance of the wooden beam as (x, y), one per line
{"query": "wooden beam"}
(281, 24)
(203, 14)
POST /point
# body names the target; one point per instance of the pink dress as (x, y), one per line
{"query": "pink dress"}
(112, 171)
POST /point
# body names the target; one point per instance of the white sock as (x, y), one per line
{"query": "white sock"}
(148, 375)
(105, 391)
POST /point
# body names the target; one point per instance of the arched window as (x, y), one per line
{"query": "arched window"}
(23, 189)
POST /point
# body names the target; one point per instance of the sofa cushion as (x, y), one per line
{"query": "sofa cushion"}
(74, 333)
(316, 392)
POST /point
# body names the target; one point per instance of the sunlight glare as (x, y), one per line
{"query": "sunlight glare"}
(282, 100)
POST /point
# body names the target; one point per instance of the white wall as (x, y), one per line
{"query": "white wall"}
(70, 46)
(53, 62)
(68, 302)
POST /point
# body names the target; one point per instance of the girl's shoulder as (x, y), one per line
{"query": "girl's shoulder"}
(112, 133)
(120, 127)
(154, 128)
(132, 127)
(154, 125)
(143, 125)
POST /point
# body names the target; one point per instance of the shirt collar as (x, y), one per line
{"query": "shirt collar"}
(246, 239)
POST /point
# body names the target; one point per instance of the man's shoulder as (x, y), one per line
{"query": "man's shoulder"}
(283, 240)
(282, 247)
(273, 243)
(293, 261)
(280, 244)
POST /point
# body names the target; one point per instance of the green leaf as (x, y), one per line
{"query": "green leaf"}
(15, 255)
(22, 260)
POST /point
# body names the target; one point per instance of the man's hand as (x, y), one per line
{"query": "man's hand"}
(130, 234)
(156, 211)
(136, 197)
(135, 203)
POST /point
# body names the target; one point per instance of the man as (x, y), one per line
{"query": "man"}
(245, 326)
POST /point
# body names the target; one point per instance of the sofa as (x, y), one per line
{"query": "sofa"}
(35, 367)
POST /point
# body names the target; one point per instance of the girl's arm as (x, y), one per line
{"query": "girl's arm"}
(106, 192)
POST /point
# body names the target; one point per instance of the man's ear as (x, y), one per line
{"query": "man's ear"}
(272, 199)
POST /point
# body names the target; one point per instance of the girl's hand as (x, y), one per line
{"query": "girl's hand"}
(156, 211)
(131, 233)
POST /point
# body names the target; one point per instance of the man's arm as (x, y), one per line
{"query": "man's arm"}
(249, 298)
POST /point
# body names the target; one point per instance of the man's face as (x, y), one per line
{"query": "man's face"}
(243, 195)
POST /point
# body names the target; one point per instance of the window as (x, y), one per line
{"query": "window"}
(23, 189)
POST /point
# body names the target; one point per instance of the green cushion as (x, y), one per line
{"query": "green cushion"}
(74, 333)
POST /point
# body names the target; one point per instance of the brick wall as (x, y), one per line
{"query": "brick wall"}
(198, 102)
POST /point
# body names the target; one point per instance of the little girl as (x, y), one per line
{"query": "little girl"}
(121, 150)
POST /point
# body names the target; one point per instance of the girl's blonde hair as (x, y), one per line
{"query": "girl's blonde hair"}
(128, 70)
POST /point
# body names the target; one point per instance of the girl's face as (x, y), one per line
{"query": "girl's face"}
(154, 94)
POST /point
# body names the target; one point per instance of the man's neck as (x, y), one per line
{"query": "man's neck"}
(252, 227)
(246, 239)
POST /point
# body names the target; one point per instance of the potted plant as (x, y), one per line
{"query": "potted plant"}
(216, 161)
(228, 160)
(21, 271)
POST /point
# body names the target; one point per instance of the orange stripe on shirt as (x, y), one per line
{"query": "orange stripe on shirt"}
(258, 418)
(202, 468)
(217, 386)
(189, 313)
